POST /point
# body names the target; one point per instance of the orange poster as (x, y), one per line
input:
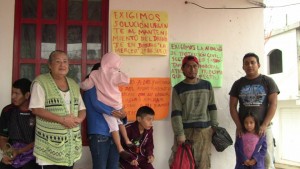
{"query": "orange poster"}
(152, 92)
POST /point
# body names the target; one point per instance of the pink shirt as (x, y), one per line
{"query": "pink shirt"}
(249, 143)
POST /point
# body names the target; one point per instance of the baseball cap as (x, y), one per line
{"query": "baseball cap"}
(189, 58)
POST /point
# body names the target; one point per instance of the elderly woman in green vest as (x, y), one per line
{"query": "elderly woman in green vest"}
(57, 103)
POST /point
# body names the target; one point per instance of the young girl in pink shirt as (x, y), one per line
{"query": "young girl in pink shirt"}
(250, 148)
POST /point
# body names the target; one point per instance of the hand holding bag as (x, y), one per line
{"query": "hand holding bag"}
(23, 158)
(184, 158)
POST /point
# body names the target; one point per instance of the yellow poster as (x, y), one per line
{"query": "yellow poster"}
(152, 92)
(139, 32)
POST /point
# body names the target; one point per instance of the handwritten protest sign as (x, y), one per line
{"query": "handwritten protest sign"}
(139, 32)
(210, 58)
(152, 92)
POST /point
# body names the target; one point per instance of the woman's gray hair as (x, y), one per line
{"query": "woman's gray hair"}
(55, 52)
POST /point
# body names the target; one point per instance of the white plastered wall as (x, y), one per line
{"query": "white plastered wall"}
(239, 31)
(287, 43)
(6, 49)
(286, 119)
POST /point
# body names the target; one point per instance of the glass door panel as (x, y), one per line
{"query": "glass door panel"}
(28, 41)
(94, 10)
(49, 9)
(48, 40)
(89, 69)
(75, 9)
(75, 73)
(74, 45)
(27, 71)
(94, 49)
(29, 8)
(44, 68)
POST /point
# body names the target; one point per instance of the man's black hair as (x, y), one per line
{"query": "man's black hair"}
(144, 110)
(23, 84)
(247, 55)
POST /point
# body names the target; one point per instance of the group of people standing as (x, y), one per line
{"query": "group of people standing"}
(194, 115)
(40, 129)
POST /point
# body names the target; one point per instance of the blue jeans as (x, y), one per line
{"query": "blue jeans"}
(104, 152)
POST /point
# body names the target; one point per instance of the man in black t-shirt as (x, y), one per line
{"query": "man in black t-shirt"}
(255, 93)
(17, 126)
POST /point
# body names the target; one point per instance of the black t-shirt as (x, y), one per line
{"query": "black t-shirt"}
(16, 125)
(253, 95)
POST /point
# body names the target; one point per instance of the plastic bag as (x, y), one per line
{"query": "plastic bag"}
(221, 139)
(23, 158)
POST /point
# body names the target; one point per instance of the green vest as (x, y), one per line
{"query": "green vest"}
(53, 142)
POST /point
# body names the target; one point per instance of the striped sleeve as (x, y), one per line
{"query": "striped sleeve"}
(176, 115)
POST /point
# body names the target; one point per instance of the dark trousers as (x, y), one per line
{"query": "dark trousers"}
(56, 167)
(30, 165)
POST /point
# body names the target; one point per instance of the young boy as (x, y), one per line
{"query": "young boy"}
(140, 134)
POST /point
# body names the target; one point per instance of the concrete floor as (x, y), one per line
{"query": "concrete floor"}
(284, 166)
